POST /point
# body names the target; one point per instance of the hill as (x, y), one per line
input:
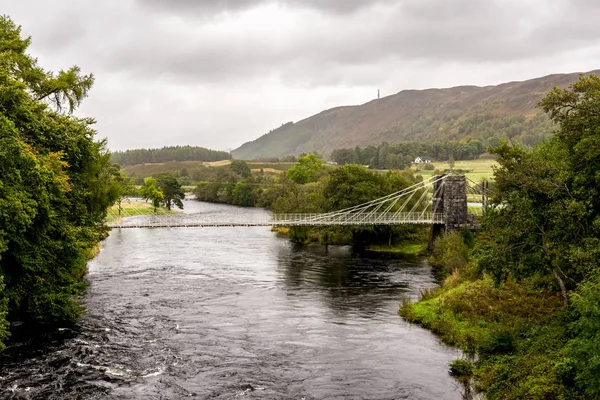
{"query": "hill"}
(507, 110)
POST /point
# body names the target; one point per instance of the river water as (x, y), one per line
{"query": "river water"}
(227, 313)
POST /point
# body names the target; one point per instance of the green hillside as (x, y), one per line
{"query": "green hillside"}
(506, 111)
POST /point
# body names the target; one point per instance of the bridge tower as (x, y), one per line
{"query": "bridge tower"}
(450, 200)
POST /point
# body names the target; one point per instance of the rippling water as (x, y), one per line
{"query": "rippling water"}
(235, 313)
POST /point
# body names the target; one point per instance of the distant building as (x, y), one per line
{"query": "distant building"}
(331, 163)
(420, 160)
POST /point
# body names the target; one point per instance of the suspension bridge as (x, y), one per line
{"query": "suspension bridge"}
(439, 201)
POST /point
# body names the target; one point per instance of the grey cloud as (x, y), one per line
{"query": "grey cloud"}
(427, 30)
(147, 54)
(122, 38)
(207, 7)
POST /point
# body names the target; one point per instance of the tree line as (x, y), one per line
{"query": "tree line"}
(168, 153)
(401, 155)
(56, 183)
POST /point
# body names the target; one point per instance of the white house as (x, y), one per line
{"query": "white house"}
(420, 160)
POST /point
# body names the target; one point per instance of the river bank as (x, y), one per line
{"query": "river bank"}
(133, 208)
(513, 334)
(518, 338)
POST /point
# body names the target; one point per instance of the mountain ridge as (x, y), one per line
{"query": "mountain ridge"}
(504, 111)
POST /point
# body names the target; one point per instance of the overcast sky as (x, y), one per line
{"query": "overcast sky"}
(218, 73)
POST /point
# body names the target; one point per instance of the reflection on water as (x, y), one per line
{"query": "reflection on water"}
(232, 312)
(350, 283)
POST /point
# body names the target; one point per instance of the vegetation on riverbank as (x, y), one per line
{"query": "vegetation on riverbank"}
(406, 248)
(522, 300)
(132, 208)
(311, 186)
(56, 183)
(415, 243)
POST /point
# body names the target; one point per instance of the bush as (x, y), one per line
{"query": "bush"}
(584, 348)
(461, 369)
(499, 342)
(450, 253)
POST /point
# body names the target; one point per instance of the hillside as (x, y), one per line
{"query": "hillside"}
(504, 111)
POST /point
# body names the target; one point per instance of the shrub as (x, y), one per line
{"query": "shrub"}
(584, 348)
(450, 253)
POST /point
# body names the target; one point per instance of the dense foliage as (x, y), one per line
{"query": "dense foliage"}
(528, 303)
(549, 218)
(56, 183)
(401, 155)
(311, 186)
(171, 189)
(172, 153)
(152, 192)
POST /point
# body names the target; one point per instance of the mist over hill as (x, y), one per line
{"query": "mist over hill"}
(505, 111)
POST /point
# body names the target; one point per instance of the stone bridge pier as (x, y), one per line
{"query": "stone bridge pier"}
(450, 200)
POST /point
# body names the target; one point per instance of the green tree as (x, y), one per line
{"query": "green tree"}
(151, 191)
(56, 183)
(244, 194)
(122, 185)
(307, 169)
(584, 348)
(172, 192)
(549, 219)
(351, 185)
(241, 168)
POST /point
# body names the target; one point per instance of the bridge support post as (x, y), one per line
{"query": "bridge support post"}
(450, 200)
(455, 202)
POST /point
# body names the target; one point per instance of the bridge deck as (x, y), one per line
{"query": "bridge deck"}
(331, 219)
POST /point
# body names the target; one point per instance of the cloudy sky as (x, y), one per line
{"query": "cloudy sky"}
(218, 73)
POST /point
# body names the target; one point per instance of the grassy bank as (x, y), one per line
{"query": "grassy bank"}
(414, 244)
(131, 208)
(408, 248)
(515, 332)
(477, 169)
(519, 339)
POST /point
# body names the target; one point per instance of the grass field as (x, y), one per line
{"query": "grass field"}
(131, 208)
(478, 169)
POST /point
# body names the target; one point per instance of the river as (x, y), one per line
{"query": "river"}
(226, 313)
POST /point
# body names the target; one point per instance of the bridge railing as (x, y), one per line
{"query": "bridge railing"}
(389, 218)
(282, 220)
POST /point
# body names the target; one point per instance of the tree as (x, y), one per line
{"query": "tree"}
(244, 194)
(171, 190)
(577, 112)
(241, 168)
(351, 185)
(56, 183)
(549, 219)
(123, 185)
(150, 191)
(307, 169)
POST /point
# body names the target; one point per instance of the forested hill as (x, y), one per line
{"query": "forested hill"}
(505, 111)
(166, 154)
